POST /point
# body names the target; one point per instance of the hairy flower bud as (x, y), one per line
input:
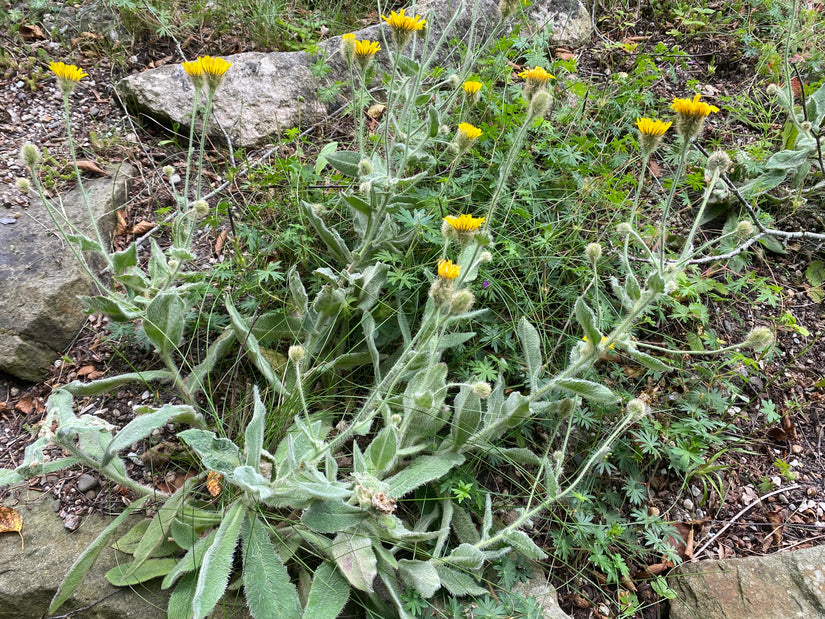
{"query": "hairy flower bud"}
(759, 339)
(30, 155)
(806, 126)
(365, 167)
(744, 229)
(637, 408)
(454, 81)
(296, 354)
(539, 104)
(462, 302)
(623, 228)
(23, 185)
(201, 208)
(168, 170)
(718, 161)
(593, 252)
(482, 390)
(485, 257)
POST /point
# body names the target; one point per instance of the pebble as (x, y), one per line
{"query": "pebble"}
(56, 505)
(86, 482)
(145, 395)
(688, 504)
(796, 449)
(91, 494)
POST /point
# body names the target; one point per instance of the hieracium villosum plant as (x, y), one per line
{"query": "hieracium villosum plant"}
(347, 504)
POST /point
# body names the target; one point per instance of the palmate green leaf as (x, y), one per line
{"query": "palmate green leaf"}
(421, 471)
(180, 602)
(87, 558)
(353, 555)
(131, 573)
(586, 389)
(531, 345)
(457, 582)
(142, 426)
(419, 575)
(268, 587)
(213, 575)
(163, 322)
(328, 594)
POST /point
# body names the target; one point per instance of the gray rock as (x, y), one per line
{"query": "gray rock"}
(40, 279)
(785, 585)
(30, 575)
(86, 482)
(262, 95)
(538, 588)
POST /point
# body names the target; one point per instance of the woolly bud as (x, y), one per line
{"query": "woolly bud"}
(365, 187)
(348, 47)
(23, 185)
(447, 231)
(539, 104)
(462, 302)
(30, 155)
(623, 228)
(593, 251)
(296, 354)
(454, 81)
(806, 126)
(168, 170)
(444, 130)
(365, 167)
(780, 94)
(395, 420)
(718, 161)
(744, 229)
(759, 339)
(637, 408)
(174, 264)
(201, 208)
(507, 7)
(485, 257)
(482, 390)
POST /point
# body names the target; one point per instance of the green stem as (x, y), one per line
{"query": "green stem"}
(687, 250)
(668, 204)
(191, 148)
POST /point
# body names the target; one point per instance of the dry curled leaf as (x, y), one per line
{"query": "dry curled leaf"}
(121, 228)
(213, 483)
(30, 32)
(25, 405)
(11, 521)
(142, 227)
(86, 370)
(84, 165)
(219, 243)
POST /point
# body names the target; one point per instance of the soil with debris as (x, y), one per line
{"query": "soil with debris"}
(735, 524)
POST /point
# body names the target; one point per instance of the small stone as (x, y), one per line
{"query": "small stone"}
(56, 505)
(796, 449)
(91, 494)
(688, 504)
(145, 395)
(86, 482)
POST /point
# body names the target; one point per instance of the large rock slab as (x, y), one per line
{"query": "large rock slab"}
(30, 574)
(262, 95)
(539, 589)
(40, 279)
(786, 585)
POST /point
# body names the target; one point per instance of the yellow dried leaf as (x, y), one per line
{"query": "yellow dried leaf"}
(142, 227)
(213, 483)
(11, 520)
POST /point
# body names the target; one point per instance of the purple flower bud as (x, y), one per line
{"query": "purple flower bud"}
(485, 285)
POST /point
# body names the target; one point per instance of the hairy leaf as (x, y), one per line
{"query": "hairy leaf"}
(419, 575)
(269, 590)
(354, 556)
(457, 582)
(328, 594)
(163, 322)
(131, 573)
(421, 471)
(332, 516)
(586, 389)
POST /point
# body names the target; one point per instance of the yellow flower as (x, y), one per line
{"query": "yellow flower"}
(448, 270)
(690, 115)
(535, 79)
(467, 136)
(470, 87)
(537, 75)
(68, 75)
(214, 70)
(348, 46)
(651, 133)
(350, 36)
(686, 107)
(194, 70)
(464, 223)
(403, 26)
(365, 51)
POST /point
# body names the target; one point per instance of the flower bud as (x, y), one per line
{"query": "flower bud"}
(168, 170)
(539, 104)
(174, 264)
(23, 185)
(462, 302)
(744, 229)
(482, 390)
(201, 208)
(759, 339)
(296, 354)
(365, 167)
(454, 81)
(30, 155)
(365, 187)
(395, 420)
(637, 408)
(485, 257)
(718, 161)
(623, 228)
(507, 7)
(806, 126)
(444, 130)
(593, 251)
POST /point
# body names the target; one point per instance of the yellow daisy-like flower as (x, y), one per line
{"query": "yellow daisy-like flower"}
(691, 115)
(194, 70)
(348, 46)
(365, 51)
(448, 270)
(534, 80)
(469, 131)
(403, 26)
(213, 70)
(470, 87)
(651, 133)
(68, 75)
(350, 36)
(464, 223)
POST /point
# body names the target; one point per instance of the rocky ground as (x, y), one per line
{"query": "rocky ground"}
(734, 524)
